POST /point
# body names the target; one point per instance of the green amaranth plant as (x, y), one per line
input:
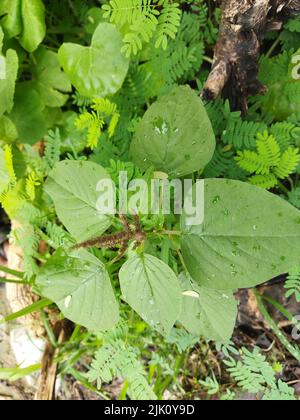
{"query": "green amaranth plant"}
(138, 115)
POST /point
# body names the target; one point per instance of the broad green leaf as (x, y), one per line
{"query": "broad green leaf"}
(12, 20)
(80, 286)
(175, 135)
(98, 70)
(50, 81)
(152, 289)
(248, 236)
(72, 186)
(8, 131)
(93, 17)
(33, 24)
(207, 312)
(25, 18)
(8, 75)
(27, 114)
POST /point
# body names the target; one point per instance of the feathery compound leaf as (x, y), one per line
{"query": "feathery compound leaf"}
(220, 163)
(52, 149)
(32, 182)
(168, 23)
(242, 134)
(141, 31)
(253, 372)
(252, 162)
(255, 375)
(57, 236)
(268, 164)
(117, 358)
(268, 149)
(292, 283)
(288, 163)
(285, 133)
(266, 181)
(127, 11)
(144, 19)
(280, 392)
(94, 124)
(294, 197)
(8, 157)
(103, 110)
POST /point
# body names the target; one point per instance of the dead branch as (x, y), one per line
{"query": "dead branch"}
(243, 26)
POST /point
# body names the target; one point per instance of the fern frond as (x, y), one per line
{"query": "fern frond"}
(214, 109)
(252, 162)
(34, 161)
(94, 125)
(184, 59)
(104, 106)
(292, 283)
(290, 36)
(268, 164)
(94, 121)
(242, 134)
(94, 132)
(139, 388)
(141, 31)
(8, 157)
(127, 11)
(283, 96)
(258, 363)
(280, 392)
(85, 120)
(288, 163)
(13, 200)
(113, 124)
(141, 20)
(52, 149)
(117, 358)
(294, 197)
(220, 163)
(245, 378)
(28, 240)
(267, 181)
(80, 100)
(293, 25)
(57, 235)
(268, 149)
(252, 372)
(286, 134)
(32, 182)
(168, 23)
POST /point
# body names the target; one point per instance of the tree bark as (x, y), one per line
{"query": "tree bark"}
(242, 29)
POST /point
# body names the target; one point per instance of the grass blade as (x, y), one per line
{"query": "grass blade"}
(28, 310)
